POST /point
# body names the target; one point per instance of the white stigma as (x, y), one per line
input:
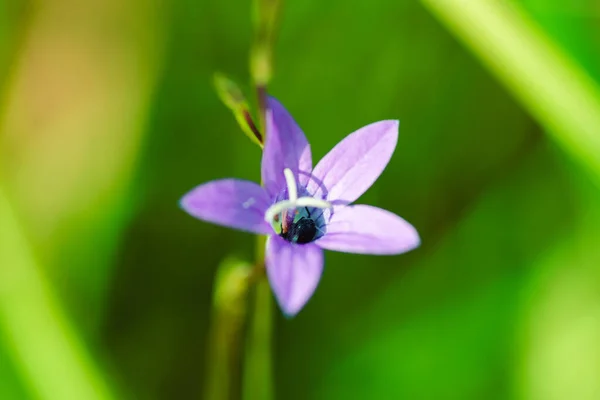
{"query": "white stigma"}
(291, 184)
(293, 201)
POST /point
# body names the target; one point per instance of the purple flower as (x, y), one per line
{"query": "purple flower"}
(305, 210)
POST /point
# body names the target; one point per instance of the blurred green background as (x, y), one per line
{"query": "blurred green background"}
(108, 116)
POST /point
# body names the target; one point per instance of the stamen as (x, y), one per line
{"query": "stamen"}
(320, 230)
(291, 184)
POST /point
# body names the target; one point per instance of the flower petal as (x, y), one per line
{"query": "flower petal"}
(355, 163)
(230, 202)
(294, 270)
(368, 230)
(285, 147)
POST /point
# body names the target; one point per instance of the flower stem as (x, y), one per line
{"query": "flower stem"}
(261, 94)
(257, 381)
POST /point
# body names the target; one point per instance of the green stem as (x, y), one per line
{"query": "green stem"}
(258, 382)
(44, 346)
(230, 301)
(553, 88)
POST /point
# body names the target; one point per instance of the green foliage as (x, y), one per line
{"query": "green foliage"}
(231, 95)
(230, 300)
(44, 347)
(552, 87)
(496, 167)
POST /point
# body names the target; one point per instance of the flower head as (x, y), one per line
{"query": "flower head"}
(305, 210)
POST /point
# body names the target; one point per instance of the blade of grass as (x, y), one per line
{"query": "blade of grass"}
(551, 86)
(45, 348)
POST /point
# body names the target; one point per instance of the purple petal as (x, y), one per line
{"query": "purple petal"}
(368, 230)
(294, 270)
(355, 163)
(285, 147)
(230, 202)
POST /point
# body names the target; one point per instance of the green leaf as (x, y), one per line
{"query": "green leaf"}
(227, 330)
(59, 366)
(231, 95)
(553, 88)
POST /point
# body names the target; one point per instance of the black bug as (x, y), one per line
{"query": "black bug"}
(302, 231)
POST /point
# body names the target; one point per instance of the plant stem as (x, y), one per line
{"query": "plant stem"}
(258, 382)
(257, 379)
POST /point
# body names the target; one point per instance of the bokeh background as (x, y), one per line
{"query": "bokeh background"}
(108, 116)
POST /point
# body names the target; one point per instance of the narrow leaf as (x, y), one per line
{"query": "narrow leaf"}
(551, 86)
(231, 95)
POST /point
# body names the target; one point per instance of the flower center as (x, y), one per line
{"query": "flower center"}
(297, 219)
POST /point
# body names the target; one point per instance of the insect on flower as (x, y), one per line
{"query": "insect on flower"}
(305, 210)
